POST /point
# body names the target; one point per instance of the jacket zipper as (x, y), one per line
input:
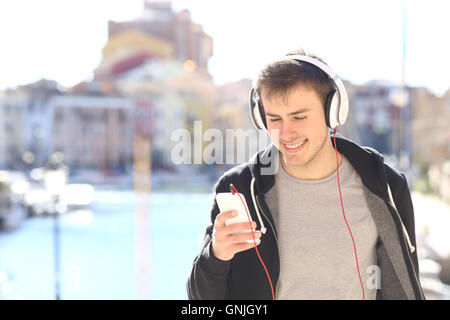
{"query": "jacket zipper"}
(405, 245)
(265, 216)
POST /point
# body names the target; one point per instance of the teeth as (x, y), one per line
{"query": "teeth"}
(297, 145)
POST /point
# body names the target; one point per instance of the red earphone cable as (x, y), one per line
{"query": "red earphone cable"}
(343, 212)
(254, 241)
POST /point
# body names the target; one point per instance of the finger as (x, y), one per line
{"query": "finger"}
(221, 217)
(238, 227)
(239, 238)
(226, 231)
(239, 247)
(220, 229)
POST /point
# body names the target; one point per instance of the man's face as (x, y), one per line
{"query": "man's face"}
(300, 119)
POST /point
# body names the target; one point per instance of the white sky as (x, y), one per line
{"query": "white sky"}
(361, 40)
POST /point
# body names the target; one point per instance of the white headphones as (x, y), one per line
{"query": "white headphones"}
(336, 104)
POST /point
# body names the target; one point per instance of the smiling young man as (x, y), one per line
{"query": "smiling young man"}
(340, 222)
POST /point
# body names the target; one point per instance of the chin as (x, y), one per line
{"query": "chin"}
(293, 159)
(295, 163)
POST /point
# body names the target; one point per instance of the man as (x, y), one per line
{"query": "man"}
(340, 222)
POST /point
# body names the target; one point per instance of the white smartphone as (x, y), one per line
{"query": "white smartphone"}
(227, 201)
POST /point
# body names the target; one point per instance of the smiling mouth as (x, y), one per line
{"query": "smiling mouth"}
(295, 147)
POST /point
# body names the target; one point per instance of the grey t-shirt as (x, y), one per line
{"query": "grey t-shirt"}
(316, 250)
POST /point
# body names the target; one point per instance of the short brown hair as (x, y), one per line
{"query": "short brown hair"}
(278, 78)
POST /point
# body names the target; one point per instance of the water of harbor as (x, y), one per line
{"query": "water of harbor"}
(98, 249)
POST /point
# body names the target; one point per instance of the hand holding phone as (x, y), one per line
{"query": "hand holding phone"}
(228, 201)
(232, 233)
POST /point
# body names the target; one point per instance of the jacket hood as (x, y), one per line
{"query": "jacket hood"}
(367, 162)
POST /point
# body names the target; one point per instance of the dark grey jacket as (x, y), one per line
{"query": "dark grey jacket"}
(243, 277)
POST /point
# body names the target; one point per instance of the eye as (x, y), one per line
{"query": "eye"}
(273, 120)
(299, 118)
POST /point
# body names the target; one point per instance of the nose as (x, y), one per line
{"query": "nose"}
(287, 131)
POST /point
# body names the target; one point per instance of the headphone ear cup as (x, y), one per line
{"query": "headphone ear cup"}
(262, 114)
(257, 111)
(331, 109)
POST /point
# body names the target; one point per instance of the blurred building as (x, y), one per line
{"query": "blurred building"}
(160, 60)
(232, 115)
(2, 132)
(431, 139)
(159, 33)
(178, 97)
(409, 126)
(372, 111)
(430, 126)
(232, 104)
(128, 50)
(159, 21)
(93, 131)
(26, 125)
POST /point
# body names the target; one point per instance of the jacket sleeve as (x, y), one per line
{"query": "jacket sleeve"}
(208, 278)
